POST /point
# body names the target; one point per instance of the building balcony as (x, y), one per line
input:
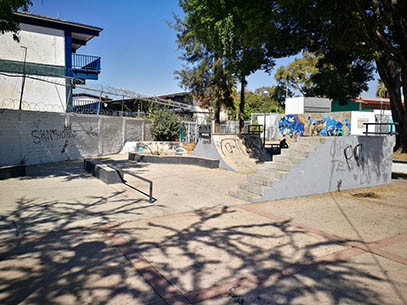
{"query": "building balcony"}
(85, 66)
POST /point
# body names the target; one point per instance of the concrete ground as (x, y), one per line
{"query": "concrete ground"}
(68, 238)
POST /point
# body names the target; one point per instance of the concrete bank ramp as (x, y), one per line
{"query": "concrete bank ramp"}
(240, 153)
(316, 165)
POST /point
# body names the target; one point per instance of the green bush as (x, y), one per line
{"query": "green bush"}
(165, 125)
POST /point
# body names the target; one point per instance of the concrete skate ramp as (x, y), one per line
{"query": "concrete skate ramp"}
(241, 153)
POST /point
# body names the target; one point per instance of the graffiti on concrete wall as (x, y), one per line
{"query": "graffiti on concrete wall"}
(251, 145)
(328, 126)
(364, 163)
(48, 135)
(293, 125)
(231, 146)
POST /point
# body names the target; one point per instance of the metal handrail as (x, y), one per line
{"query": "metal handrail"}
(120, 171)
(86, 62)
(255, 129)
(367, 132)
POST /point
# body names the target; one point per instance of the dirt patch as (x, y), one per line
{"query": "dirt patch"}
(366, 195)
(189, 147)
(399, 156)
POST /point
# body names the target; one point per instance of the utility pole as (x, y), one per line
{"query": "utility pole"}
(23, 82)
(264, 123)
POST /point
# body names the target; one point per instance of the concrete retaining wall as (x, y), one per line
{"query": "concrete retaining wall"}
(32, 137)
(339, 163)
(399, 167)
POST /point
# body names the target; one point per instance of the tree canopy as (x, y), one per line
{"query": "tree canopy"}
(348, 35)
(351, 35)
(8, 20)
(225, 29)
(298, 74)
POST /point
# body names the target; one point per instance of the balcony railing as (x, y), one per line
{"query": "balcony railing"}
(85, 63)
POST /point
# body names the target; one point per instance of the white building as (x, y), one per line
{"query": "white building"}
(45, 60)
(301, 105)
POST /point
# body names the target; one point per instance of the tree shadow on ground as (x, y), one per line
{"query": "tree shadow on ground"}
(203, 253)
(67, 267)
(206, 249)
(33, 215)
(53, 252)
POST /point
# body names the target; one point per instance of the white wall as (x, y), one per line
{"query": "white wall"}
(44, 46)
(38, 95)
(49, 137)
(357, 120)
(301, 105)
(294, 105)
(317, 105)
(272, 130)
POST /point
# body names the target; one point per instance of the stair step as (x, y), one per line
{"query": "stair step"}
(295, 153)
(262, 180)
(252, 188)
(280, 166)
(303, 146)
(244, 195)
(319, 140)
(286, 159)
(271, 172)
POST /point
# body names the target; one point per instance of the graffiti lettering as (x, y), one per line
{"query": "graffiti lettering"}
(230, 146)
(49, 135)
(91, 133)
(337, 147)
(64, 147)
(355, 153)
(339, 166)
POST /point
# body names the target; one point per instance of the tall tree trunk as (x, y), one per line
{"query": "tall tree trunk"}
(389, 73)
(403, 134)
(218, 98)
(217, 117)
(241, 104)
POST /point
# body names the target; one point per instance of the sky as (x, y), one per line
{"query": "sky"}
(137, 47)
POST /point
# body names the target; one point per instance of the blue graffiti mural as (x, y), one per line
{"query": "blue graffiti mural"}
(291, 124)
(334, 127)
(328, 126)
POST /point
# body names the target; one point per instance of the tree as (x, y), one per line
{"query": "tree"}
(8, 20)
(226, 29)
(355, 33)
(277, 93)
(257, 102)
(314, 75)
(298, 74)
(166, 125)
(204, 74)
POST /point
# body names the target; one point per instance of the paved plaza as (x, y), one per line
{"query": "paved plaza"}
(68, 238)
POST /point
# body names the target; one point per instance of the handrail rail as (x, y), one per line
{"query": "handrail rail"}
(255, 129)
(120, 171)
(85, 62)
(367, 132)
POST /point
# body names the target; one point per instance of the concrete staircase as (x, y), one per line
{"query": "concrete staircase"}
(254, 189)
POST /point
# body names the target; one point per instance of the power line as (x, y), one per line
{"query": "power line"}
(108, 90)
